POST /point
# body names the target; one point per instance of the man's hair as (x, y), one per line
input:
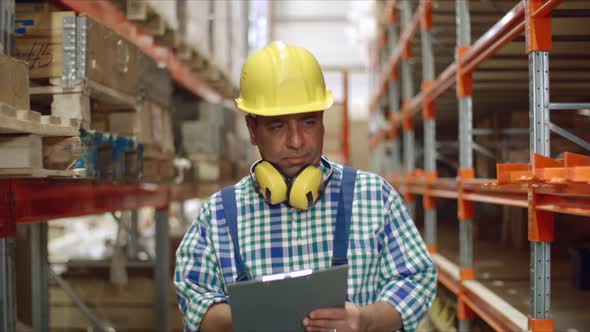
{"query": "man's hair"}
(253, 117)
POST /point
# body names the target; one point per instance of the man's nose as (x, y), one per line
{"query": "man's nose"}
(295, 136)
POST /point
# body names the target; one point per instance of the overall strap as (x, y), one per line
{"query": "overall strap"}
(230, 210)
(344, 216)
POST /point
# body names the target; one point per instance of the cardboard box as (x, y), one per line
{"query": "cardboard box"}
(14, 83)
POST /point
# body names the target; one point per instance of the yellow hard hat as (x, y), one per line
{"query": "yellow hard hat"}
(282, 79)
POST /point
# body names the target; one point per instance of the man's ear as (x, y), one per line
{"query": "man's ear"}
(251, 123)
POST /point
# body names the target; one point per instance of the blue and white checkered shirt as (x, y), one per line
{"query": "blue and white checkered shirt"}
(387, 258)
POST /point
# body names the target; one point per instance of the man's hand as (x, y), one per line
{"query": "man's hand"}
(378, 316)
(335, 319)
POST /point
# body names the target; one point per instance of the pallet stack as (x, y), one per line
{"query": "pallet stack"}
(107, 106)
(32, 144)
(119, 99)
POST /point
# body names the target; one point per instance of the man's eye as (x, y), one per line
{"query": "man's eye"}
(310, 122)
(276, 126)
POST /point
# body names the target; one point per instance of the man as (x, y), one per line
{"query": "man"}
(283, 226)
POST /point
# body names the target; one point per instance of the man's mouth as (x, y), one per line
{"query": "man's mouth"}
(295, 160)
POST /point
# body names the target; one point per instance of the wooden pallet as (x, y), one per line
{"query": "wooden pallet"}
(31, 155)
(13, 121)
(35, 145)
(79, 102)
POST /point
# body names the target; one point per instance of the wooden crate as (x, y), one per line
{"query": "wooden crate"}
(110, 59)
(14, 83)
(104, 70)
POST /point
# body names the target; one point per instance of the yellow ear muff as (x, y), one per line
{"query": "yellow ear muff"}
(306, 188)
(272, 184)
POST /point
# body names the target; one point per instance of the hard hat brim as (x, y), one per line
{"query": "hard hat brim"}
(275, 111)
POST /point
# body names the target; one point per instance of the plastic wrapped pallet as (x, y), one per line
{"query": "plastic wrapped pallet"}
(203, 136)
(154, 82)
(166, 10)
(222, 38)
(6, 7)
(239, 47)
(198, 32)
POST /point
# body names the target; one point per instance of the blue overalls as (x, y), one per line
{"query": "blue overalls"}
(341, 233)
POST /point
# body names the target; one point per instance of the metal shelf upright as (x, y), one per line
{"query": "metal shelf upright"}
(545, 186)
(34, 201)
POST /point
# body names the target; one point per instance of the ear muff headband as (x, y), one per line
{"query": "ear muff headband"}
(304, 189)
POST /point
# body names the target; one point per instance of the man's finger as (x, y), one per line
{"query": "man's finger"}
(328, 313)
(320, 325)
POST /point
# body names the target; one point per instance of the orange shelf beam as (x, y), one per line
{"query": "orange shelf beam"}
(547, 8)
(479, 298)
(514, 17)
(502, 33)
(567, 198)
(488, 312)
(396, 55)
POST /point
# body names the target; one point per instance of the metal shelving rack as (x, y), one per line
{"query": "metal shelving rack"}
(544, 187)
(34, 201)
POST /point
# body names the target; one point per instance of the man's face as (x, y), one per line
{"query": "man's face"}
(289, 141)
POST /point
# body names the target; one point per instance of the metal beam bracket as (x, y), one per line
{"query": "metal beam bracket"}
(407, 120)
(540, 324)
(426, 14)
(538, 28)
(466, 208)
(541, 223)
(464, 79)
(428, 109)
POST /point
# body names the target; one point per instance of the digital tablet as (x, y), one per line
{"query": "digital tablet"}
(279, 302)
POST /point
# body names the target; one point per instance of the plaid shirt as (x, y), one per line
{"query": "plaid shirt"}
(387, 258)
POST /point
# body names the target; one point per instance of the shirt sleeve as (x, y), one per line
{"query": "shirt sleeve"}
(407, 273)
(197, 278)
